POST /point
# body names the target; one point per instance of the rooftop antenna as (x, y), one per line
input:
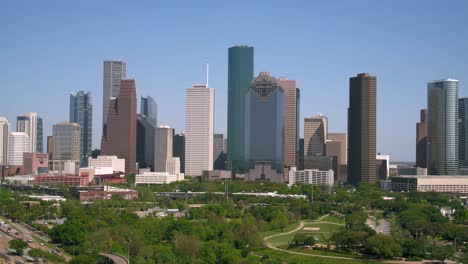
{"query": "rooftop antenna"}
(207, 72)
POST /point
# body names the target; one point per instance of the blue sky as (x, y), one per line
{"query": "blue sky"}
(51, 48)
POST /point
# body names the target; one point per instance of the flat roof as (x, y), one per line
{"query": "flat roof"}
(444, 177)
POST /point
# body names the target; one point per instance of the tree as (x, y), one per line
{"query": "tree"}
(18, 245)
(442, 252)
(414, 248)
(280, 220)
(383, 246)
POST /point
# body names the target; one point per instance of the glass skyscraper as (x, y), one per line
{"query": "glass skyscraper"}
(240, 73)
(146, 129)
(114, 72)
(264, 122)
(81, 112)
(442, 134)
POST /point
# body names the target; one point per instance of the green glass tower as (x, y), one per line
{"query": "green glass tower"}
(240, 73)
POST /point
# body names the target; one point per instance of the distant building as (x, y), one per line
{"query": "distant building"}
(264, 171)
(81, 112)
(264, 117)
(336, 146)
(312, 177)
(382, 166)
(219, 156)
(61, 180)
(291, 121)
(150, 178)
(322, 163)
(178, 149)
(173, 165)
(431, 183)
(146, 132)
(216, 175)
(199, 125)
(108, 162)
(67, 146)
(463, 132)
(113, 73)
(31, 124)
(89, 193)
(18, 144)
(421, 140)
(442, 129)
(315, 135)
(4, 140)
(362, 129)
(50, 146)
(240, 73)
(164, 144)
(34, 163)
(119, 137)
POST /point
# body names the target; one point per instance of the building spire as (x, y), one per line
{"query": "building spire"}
(207, 72)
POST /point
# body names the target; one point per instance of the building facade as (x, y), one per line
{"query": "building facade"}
(31, 124)
(178, 149)
(362, 129)
(67, 145)
(421, 140)
(146, 132)
(315, 135)
(430, 183)
(199, 125)
(164, 147)
(463, 132)
(240, 73)
(114, 71)
(34, 163)
(108, 162)
(120, 139)
(81, 112)
(4, 140)
(291, 121)
(19, 143)
(150, 178)
(264, 122)
(311, 177)
(442, 129)
(219, 156)
(337, 146)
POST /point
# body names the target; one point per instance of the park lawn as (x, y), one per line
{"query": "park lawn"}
(321, 235)
(321, 252)
(279, 231)
(333, 219)
(285, 257)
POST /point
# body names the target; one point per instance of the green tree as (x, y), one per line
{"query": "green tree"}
(442, 252)
(18, 245)
(383, 246)
(414, 248)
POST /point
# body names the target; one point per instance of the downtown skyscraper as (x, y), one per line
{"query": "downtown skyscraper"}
(31, 124)
(81, 112)
(146, 132)
(120, 137)
(442, 129)
(315, 135)
(291, 121)
(421, 140)
(240, 73)
(114, 71)
(4, 140)
(362, 129)
(463, 132)
(199, 125)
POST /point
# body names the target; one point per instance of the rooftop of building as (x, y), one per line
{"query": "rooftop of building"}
(444, 80)
(442, 177)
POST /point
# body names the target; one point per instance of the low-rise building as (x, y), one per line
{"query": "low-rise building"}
(311, 176)
(430, 183)
(34, 163)
(108, 161)
(61, 180)
(216, 175)
(157, 178)
(103, 193)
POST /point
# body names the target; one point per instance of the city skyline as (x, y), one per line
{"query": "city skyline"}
(401, 71)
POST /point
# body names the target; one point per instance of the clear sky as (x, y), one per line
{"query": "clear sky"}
(51, 48)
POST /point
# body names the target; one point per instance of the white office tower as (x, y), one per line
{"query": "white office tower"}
(28, 123)
(4, 139)
(19, 143)
(199, 126)
(312, 177)
(173, 168)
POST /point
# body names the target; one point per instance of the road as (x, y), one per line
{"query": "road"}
(26, 234)
(115, 258)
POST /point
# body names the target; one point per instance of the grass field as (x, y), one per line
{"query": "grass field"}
(281, 257)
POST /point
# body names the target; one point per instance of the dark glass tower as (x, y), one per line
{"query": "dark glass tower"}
(442, 129)
(40, 137)
(146, 132)
(120, 136)
(81, 112)
(463, 132)
(264, 122)
(362, 129)
(421, 140)
(240, 73)
(178, 149)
